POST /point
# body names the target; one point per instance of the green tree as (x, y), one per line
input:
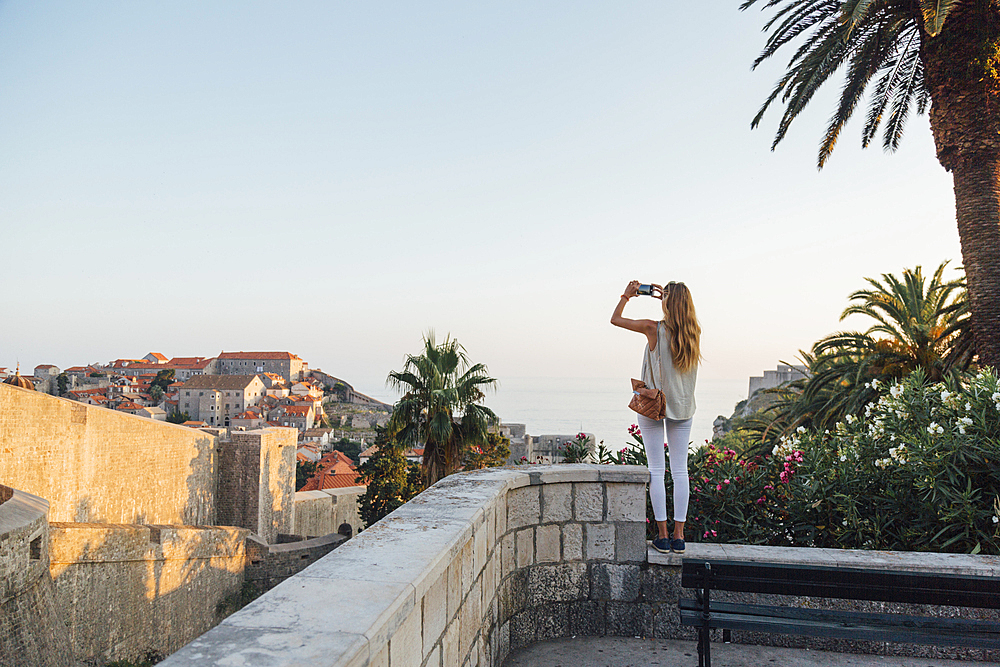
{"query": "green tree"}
(391, 480)
(916, 326)
(303, 471)
(163, 379)
(351, 448)
(440, 409)
(156, 393)
(943, 54)
(62, 383)
(178, 417)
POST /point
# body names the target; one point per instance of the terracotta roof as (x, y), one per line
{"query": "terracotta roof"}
(297, 410)
(322, 480)
(219, 382)
(193, 424)
(194, 363)
(157, 355)
(258, 355)
(44, 366)
(77, 369)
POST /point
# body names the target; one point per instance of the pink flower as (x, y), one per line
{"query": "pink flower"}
(760, 500)
(725, 481)
(718, 487)
(714, 534)
(769, 486)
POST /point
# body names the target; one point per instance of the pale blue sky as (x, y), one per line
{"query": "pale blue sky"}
(335, 178)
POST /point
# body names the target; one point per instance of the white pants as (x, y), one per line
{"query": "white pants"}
(678, 438)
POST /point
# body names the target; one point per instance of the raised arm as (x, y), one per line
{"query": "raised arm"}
(645, 327)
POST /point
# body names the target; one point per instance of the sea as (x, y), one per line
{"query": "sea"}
(567, 406)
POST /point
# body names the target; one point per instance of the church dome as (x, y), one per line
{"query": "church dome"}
(19, 380)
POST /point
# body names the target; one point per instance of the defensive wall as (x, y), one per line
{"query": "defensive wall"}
(488, 561)
(98, 465)
(125, 591)
(31, 633)
(132, 563)
(319, 513)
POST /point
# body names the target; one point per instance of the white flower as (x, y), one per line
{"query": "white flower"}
(965, 420)
(850, 419)
(996, 397)
(945, 395)
(874, 384)
(801, 429)
(843, 457)
(897, 391)
(995, 519)
(935, 429)
(968, 406)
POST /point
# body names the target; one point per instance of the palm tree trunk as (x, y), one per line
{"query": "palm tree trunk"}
(961, 65)
(977, 200)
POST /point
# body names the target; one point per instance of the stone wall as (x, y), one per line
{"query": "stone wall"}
(129, 591)
(31, 634)
(98, 465)
(320, 513)
(478, 564)
(257, 481)
(270, 564)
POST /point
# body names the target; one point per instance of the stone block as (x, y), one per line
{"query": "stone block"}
(588, 502)
(405, 645)
(455, 592)
(479, 550)
(507, 555)
(449, 645)
(522, 629)
(490, 578)
(630, 542)
(435, 611)
(565, 472)
(468, 571)
(565, 582)
(557, 503)
(503, 644)
(587, 618)
(600, 541)
(381, 658)
(611, 581)
(518, 597)
(626, 502)
(572, 542)
(629, 619)
(660, 584)
(525, 547)
(523, 507)
(551, 621)
(547, 544)
(626, 474)
(470, 615)
(501, 515)
(491, 531)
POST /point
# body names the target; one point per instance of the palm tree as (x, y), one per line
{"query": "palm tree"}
(439, 410)
(917, 326)
(944, 54)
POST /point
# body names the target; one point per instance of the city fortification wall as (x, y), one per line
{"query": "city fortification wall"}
(257, 481)
(31, 633)
(128, 591)
(98, 465)
(319, 513)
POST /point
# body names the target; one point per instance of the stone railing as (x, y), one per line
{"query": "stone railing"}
(477, 565)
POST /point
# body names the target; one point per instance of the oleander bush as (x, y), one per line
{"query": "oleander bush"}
(917, 470)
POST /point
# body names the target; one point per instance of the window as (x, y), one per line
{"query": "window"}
(187, 393)
(201, 393)
(227, 406)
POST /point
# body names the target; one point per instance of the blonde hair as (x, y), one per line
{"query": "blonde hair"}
(680, 319)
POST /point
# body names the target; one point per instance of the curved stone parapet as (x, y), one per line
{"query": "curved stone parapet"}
(475, 566)
(31, 634)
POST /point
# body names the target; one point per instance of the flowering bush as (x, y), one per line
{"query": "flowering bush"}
(576, 450)
(918, 470)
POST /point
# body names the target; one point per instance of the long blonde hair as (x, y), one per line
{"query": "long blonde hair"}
(680, 319)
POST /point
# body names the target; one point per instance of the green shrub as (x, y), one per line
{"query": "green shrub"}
(916, 471)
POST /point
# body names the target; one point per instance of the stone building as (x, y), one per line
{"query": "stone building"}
(285, 364)
(771, 379)
(216, 399)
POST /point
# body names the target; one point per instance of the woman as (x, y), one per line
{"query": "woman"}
(670, 364)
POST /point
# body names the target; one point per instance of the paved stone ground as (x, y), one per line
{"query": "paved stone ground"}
(626, 652)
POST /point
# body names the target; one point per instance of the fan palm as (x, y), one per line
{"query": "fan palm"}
(439, 410)
(941, 54)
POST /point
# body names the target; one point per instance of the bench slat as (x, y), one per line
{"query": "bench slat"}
(846, 624)
(847, 583)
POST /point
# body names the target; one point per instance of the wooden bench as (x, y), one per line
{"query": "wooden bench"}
(841, 583)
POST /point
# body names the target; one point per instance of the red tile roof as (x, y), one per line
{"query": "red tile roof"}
(323, 480)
